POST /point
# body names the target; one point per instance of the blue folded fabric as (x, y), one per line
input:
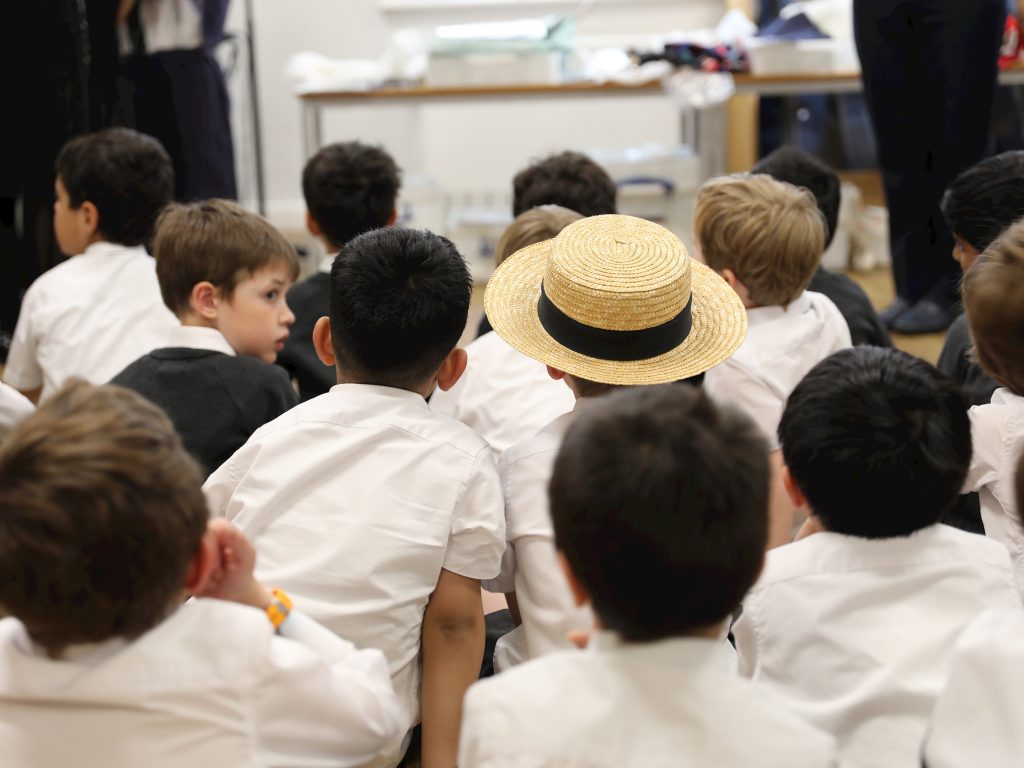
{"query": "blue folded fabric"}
(797, 27)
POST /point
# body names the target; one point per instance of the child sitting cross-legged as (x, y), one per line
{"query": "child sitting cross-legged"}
(379, 516)
(659, 502)
(105, 532)
(224, 272)
(853, 624)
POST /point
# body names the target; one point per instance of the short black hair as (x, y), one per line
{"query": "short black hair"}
(985, 199)
(879, 442)
(398, 304)
(127, 175)
(660, 504)
(791, 164)
(569, 179)
(350, 188)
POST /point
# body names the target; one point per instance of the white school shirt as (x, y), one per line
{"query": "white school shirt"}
(355, 500)
(856, 634)
(979, 717)
(664, 704)
(211, 685)
(503, 394)
(530, 566)
(90, 317)
(782, 345)
(997, 434)
(14, 407)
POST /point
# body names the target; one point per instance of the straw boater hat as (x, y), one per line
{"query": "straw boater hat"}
(617, 300)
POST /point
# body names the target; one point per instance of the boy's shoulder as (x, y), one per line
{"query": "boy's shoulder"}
(372, 413)
(937, 546)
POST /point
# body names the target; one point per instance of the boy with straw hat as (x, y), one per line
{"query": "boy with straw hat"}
(611, 301)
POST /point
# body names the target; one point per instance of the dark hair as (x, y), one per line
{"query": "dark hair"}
(101, 511)
(986, 198)
(214, 240)
(128, 177)
(878, 441)
(569, 179)
(659, 500)
(791, 164)
(399, 301)
(350, 188)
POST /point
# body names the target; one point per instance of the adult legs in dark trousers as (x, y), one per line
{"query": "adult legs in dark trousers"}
(929, 70)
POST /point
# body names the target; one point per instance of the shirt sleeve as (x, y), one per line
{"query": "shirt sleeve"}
(13, 407)
(546, 604)
(986, 446)
(477, 538)
(23, 370)
(735, 386)
(505, 580)
(321, 696)
(220, 485)
(744, 634)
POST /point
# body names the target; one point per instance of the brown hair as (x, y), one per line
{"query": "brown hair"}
(533, 226)
(769, 233)
(993, 294)
(101, 511)
(216, 241)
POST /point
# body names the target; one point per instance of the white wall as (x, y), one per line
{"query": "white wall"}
(466, 147)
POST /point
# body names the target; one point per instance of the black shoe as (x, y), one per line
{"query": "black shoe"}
(926, 316)
(892, 313)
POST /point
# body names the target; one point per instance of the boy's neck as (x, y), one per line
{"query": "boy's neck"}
(192, 319)
(423, 391)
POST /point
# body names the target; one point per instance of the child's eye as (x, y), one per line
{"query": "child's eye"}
(272, 295)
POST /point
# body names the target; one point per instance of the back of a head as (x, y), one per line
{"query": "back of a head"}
(216, 241)
(101, 511)
(659, 500)
(350, 188)
(769, 233)
(791, 164)
(569, 179)
(533, 226)
(986, 198)
(993, 293)
(879, 442)
(128, 177)
(398, 304)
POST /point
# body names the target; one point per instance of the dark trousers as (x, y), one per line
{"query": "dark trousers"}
(929, 70)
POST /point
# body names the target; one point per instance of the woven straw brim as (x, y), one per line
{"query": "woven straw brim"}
(719, 325)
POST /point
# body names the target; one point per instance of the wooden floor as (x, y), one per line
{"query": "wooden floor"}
(879, 288)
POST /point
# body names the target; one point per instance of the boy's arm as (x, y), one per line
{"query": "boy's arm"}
(453, 649)
(22, 370)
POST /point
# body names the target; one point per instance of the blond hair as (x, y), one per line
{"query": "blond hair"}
(993, 296)
(769, 233)
(533, 226)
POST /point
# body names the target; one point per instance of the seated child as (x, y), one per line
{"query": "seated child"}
(659, 502)
(14, 407)
(379, 516)
(672, 318)
(504, 395)
(791, 164)
(977, 719)
(853, 624)
(766, 237)
(993, 294)
(105, 533)
(224, 272)
(350, 188)
(980, 203)
(95, 313)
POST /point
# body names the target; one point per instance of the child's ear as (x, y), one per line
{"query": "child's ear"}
(579, 593)
(204, 299)
(205, 561)
(556, 374)
(311, 226)
(322, 341)
(452, 368)
(793, 490)
(90, 217)
(730, 277)
(393, 217)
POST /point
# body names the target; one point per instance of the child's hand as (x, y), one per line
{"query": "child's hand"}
(231, 577)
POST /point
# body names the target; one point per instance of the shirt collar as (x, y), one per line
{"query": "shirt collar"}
(669, 652)
(326, 262)
(758, 315)
(378, 391)
(103, 248)
(199, 337)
